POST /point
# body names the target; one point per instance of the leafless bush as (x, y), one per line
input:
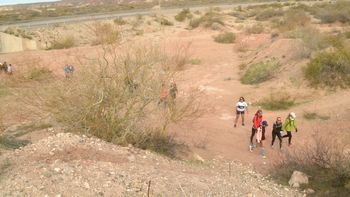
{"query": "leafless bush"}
(324, 159)
(115, 96)
(180, 55)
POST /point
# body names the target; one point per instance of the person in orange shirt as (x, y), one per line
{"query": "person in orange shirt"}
(163, 95)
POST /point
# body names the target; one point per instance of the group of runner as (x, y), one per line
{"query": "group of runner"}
(6, 68)
(259, 126)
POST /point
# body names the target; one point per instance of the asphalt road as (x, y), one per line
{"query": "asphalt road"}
(113, 15)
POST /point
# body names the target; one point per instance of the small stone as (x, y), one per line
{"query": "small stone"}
(86, 185)
(57, 169)
(298, 178)
(131, 158)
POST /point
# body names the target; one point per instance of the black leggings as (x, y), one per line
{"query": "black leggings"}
(278, 134)
(252, 135)
(289, 135)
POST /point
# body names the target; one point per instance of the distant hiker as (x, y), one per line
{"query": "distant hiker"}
(241, 108)
(9, 69)
(4, 67)
(163, 95)
(71, 69)
(289, 125)
(260, 137)
(172, 90)
(66, 70)
(276, 131)
(257, 120)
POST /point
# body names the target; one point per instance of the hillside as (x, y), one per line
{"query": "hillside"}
(69, 165)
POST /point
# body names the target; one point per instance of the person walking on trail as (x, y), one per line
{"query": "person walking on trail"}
(260, 137)
(276, 131)
(289, 125)
(163, 95)
(172, 90)
(241, 108)
(257, 120)
(9, 69)
(66, 70)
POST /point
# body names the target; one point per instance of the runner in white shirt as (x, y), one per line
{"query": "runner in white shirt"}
(241, 108)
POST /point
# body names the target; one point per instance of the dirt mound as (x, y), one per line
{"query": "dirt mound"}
(67, 165)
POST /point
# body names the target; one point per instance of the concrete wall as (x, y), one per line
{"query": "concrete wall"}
(10, 43)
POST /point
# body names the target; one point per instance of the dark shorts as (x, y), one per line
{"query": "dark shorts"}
(239, 112)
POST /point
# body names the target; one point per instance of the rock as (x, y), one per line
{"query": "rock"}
(57, 169)
(298, 178)
(86, 185)
(309, 191)
(132, 158)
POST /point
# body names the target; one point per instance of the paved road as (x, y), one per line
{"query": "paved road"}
(91, 17)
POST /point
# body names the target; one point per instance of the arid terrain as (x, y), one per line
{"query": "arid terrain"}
(214, 159)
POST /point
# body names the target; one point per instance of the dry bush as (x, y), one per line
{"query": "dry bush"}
(324, 159)
(115, 98)
(104, 33)
(292, 19)
(183, 15)
(255, 29)
(330, 13)
(179, 56)
(268, 13)
(207, 20)
(63, 43)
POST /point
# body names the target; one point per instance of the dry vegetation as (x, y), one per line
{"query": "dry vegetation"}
(326, 162)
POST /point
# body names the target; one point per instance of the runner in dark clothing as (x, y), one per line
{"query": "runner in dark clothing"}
(276, 131)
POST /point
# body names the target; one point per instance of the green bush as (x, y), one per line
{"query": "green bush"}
(183, 15)
(260, 72)
(329, 69)
(226, 38)
(195, 61)
(277, 101)
(292, 19)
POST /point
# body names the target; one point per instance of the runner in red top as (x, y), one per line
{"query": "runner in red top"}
(256, 124)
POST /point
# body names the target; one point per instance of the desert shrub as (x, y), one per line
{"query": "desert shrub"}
(255, 29)
(330, 13)
(268, 13)
(115, 96)
(120, 21)
(260, 72)
(39, 74)
(277, 101)
(329, 69)
(347, 35)
(314, 115)
(10, 142)
(292, 19)
(164, 21)
(207, 20)
(183, 15)
(323, 159)
(226, 38)
(63, 43)
(179, 56)
(105, 33)
(195, 61)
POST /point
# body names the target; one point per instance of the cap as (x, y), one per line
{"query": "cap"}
(292, 115)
